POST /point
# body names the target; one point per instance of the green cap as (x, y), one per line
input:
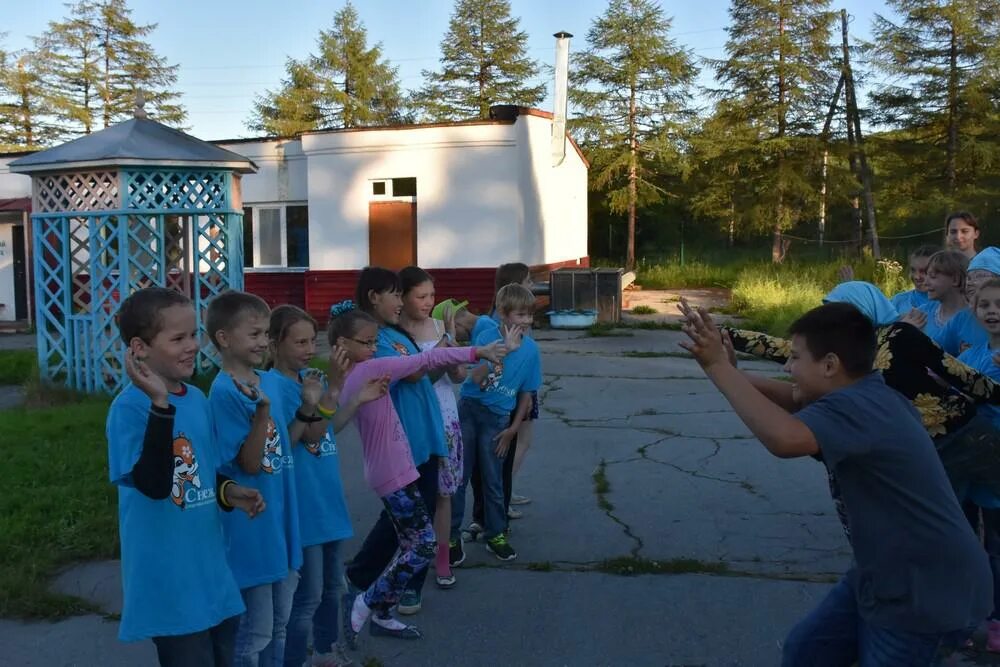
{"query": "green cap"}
(438, 312)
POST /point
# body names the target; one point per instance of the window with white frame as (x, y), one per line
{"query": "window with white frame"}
(276, 236)
(394, 188)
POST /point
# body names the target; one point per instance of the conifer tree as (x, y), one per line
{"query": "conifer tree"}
(484, 61)
(346, 84)
(25, 119)
(775, 85)
(631, 88)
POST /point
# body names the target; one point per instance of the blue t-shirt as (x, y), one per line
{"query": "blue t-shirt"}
(980, 357)
(520, 371)
(323, 513)
(483, 324)
(917, 566)
(175, 578)
(260, 550)
(908, 300)
(963, 331)
(416, 402)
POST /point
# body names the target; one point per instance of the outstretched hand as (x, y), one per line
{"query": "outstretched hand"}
(245, 498)
(493, 352)
(252, 392)
(374, 389)
(146, 380)
(706, 343)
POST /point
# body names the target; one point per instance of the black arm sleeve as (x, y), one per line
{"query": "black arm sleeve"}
(153, 474)
(220, 479)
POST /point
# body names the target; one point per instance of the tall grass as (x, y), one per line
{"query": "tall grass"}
(771, 296)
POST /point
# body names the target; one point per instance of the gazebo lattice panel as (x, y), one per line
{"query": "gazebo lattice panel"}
(175, 230)
(76, 191)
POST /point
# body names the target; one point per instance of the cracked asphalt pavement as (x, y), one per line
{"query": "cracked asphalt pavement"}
(637, 462)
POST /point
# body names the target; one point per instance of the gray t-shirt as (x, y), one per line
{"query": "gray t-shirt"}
(917, 564)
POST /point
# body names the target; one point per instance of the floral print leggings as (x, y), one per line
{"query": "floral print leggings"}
(417, 544)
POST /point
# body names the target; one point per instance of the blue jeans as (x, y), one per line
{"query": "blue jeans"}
(480, 428)
(835, 635)
(316, 603)
(212, 647)
(260, 641)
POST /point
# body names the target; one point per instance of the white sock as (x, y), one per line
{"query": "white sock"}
(390, 623)
(359, 613)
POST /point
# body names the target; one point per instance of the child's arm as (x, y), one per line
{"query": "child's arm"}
(251, 452)
(230, 495)
(505, 436)
(398, 368)
(965, 378)
(153, 473)
(778, 392)
(780, 432)
(372, 389)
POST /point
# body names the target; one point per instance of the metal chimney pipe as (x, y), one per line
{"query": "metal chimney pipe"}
(559, 108)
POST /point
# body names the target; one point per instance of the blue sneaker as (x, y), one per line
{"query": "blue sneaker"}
(409, 603)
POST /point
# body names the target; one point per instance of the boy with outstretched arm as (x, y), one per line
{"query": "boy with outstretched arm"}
(919, 582)
(177, 586)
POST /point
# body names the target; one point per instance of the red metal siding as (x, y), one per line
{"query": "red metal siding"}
(325, 288)
(276, 287)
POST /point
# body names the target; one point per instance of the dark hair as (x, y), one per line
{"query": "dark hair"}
(284, 318)
(411, 276)
(225, 310)
(964, 216)
(347, 324)
(515, 272)
(925, 251)
(841, 329)
(951, 263)
(141, 314)
(374, 279)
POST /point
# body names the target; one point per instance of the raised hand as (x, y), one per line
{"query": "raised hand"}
(146, 380)
(845, 273)
(245, 498)
(917, 318)
(727, 342)
(341, 366)
(252, 392)
(312, 387)
(512, 336)
(449, 320)
(705, 339)
(374, 389)
(493, 352)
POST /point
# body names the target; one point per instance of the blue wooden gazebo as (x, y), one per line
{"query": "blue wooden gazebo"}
(132, 206)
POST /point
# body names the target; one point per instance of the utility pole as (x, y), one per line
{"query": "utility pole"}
(863, 172)
(825, 139)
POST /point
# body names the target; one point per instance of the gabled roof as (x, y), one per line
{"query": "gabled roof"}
(137, 141)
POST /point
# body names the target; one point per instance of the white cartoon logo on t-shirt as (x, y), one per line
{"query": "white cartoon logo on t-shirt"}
(185, 470)
(272, 449)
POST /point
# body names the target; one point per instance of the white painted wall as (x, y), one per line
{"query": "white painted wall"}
(13, 185)
(281, 175)
(468, 204)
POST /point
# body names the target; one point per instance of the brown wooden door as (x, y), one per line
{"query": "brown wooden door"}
(392, 234)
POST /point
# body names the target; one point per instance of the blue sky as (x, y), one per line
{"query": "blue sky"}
(230, 50)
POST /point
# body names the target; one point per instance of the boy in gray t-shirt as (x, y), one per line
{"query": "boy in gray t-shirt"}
(919, 581)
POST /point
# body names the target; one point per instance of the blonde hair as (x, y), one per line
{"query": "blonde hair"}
(515, 297)
(951, 263)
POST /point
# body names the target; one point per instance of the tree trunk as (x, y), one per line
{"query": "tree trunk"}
(777, 246)
(107, 76)
(952, 147)
(633, 176)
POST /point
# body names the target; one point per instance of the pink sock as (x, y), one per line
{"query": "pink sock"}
(441, 562)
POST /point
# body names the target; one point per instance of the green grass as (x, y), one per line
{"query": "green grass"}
(17, 366)
(57, 506)
(644, 310)
(632, 565)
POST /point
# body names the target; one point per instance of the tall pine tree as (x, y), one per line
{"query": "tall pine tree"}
(484, 61)
(347, 84)
(99, 59)
(943, 70)
(26, 122)
(631, 89)
(776, 81)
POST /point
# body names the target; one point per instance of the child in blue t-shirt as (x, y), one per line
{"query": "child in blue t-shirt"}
(906, 301)
(492, 411)
(947, 319)
(252, 435)
(310, 406)
(918, 581)
(177, 587)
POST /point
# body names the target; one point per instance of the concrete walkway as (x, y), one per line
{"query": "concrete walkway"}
(637, 463)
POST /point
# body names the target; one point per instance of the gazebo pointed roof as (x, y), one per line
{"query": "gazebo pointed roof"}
(134, 142)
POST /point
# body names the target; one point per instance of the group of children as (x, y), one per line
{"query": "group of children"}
(910, 437)
(259, 586)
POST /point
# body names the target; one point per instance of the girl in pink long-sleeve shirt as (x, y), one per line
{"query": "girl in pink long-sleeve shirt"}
(389, 467)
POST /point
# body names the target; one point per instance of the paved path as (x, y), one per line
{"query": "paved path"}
(745, 544)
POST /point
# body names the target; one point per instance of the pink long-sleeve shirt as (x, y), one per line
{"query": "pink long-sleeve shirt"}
(388, 460)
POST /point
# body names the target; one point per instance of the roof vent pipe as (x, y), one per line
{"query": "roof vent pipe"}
(561, 98)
